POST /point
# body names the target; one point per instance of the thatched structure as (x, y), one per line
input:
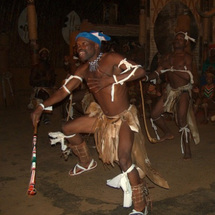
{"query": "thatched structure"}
(151, 23)
(51, 17)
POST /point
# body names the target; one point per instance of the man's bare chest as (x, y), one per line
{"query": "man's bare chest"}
(178, 63)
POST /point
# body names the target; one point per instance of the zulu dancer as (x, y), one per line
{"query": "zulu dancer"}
(177, 67)
(111, 118)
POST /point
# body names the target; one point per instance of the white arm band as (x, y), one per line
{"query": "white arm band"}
(114, 77)
(46, 108)
(129, 66)
(68, 79)
(116, 81)
(67, 90)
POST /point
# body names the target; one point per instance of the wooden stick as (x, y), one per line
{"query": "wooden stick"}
(31, 187)
(151, 139)
(70, 108)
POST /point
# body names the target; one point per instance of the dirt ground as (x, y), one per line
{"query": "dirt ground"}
(192, 183)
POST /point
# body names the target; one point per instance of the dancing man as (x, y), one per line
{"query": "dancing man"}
(177, 67)
(111, 118)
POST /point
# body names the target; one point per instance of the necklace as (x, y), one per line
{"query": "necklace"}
(94, 64)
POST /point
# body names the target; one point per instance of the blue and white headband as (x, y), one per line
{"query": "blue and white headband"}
(95, 36)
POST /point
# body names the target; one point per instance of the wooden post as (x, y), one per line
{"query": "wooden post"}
(143, 30)
(4, 66)
(4, 52)
(32, 31)
(142, 22)
(213, 25)
(206, 30)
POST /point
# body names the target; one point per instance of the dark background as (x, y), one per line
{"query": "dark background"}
(51, 15)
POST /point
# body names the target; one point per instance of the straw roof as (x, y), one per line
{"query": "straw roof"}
(51, 19)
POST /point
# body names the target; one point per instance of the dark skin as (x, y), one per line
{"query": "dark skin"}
(99, 83)
(177, 59)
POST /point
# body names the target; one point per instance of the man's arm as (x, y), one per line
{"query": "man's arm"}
(130, 72)
(195, 74)
(57, 96)
(163, 63)
(126, 71)
(184, 73)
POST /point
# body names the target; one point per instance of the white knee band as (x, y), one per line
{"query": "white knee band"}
(58, 136)
(155, 127)
(184, 132)
(122, 181)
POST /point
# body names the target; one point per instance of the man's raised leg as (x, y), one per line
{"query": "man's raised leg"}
(78, 145)
(158, 120)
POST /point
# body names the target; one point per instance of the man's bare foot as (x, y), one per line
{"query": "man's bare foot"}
(213, 118)
(187, 151)
(168, 136)
(187, 156)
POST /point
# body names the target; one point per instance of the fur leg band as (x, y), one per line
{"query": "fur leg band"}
(139, 197)
(82, 152)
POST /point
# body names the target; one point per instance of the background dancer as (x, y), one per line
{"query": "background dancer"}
(42, 79)
(177, 98)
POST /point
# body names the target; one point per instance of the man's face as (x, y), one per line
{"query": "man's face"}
(44, 55)
(209, 79)
(86, 49)
(179, 41)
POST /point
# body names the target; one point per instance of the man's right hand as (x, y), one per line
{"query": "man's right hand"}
(35, 116)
